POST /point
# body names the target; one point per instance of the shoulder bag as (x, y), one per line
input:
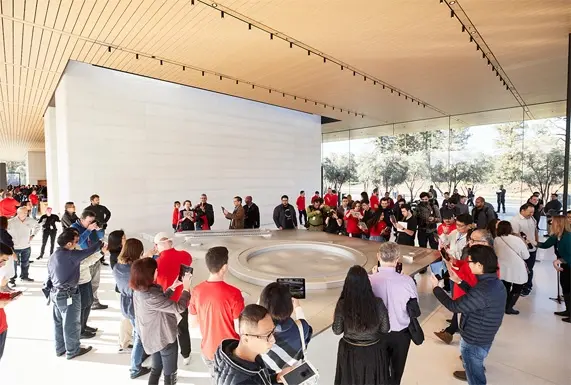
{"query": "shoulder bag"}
(314, 380)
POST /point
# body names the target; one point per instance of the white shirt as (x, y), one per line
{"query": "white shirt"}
(21, 231)
(512, 251)
(528, 226)
(457, 243)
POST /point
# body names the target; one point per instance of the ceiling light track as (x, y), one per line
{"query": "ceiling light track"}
(457, 12)
(326, 58)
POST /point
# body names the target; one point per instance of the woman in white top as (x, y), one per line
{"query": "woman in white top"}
(512, 253)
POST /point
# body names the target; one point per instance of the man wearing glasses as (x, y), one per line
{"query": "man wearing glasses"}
(482, 309)
(239, 361)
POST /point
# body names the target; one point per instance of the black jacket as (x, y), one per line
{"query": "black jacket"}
(102, 214)
(483, 216)
(67, 220)
(49, 222)
(252, 220)
(6, 238)
(209, 211)
(231, 370)
(482, 309)
(552, 207)
(283, 215)
(361, 337)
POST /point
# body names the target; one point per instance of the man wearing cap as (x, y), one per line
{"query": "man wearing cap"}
(252, 212)
(168, 268)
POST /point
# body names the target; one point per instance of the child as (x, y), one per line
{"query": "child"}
(5, 260)
(175, 215)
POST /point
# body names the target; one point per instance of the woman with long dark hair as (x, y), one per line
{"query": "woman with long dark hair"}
(131, 251)
(352, 219)
(157, 317)
(560, 239)
(362, 318)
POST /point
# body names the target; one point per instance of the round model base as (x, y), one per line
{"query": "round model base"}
(323, 265)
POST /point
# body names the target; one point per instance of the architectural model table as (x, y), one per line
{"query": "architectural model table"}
(258, 257)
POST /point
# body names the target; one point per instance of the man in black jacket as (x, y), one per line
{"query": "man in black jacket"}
(482, 310)
(102, 214)
(252, 214)
(285, 215)
(238, 362)
(208, 210)
(483, 213)
(49, 230)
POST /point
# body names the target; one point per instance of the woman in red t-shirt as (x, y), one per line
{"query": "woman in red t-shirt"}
(377, 226)
(175, 215)
(352, 219)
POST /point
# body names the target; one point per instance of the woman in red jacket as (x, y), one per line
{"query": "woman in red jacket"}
(352, 219)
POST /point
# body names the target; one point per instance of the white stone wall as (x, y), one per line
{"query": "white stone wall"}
(141, 144)
(36, 164)
(50, 134)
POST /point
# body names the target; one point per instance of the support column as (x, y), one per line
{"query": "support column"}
(3, 177)
(52, 174)
(36, 165)
(567, 132)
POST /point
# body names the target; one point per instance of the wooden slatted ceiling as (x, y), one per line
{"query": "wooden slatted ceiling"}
(413, 45)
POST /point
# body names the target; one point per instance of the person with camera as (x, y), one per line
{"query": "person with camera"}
(157, 314)
(289, 349)
(237, 361)
(64, 279)
(512, 253)
(88, 231)
(169, 262)
(208, 211)
(237, 216)
(187, 217)
(334, 222)
(525, 225)
(316, 214)
(428, 215)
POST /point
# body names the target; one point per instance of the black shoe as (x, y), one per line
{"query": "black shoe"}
(87, 335)
(31, 261)
(40, 257)
(565, 313)
(81, 352)
(525, 293)
(171, 379)
(512, 311)
(99, 306)
(140, 373)
(90, 329)
(12, 282)
(27, 279)
(568, 320)
(460, 375)
(106, 264)
(60, 354)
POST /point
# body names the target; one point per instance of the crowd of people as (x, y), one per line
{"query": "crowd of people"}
(487, 266)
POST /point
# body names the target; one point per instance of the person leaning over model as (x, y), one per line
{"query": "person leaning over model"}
(512, 253)
(399, 293)
(64, 274)
(560, 239)
(157, 316)
(482, 310)
(363, 320)
(289, 348)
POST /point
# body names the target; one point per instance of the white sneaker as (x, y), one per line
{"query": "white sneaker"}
(125, 350)
(186, 361)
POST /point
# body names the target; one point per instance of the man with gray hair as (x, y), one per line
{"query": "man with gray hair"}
(396, 290)
(22, 229)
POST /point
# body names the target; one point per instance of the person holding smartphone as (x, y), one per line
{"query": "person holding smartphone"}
(157, 315)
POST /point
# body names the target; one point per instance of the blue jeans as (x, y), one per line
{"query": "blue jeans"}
(2, 343)
(34, 211)
(67, 325)
(24, 261)
(377, 238)
(473, 357)
(137, 352)
(166, 360)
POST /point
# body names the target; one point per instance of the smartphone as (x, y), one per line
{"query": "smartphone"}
(11, 295)
(393, 219)
(301, 374)
(222, 207)
(444, 254)
(296, 286)
(183, 270)
(398, 267)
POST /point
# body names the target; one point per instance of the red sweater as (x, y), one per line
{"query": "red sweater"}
(377, 229)
(168, 268)
(466, 275)
(34, 199)
(314, 198)
(3, 323)
(330, 200)
(175, 215)
(300, 203)
(352, 223)
(374, 202)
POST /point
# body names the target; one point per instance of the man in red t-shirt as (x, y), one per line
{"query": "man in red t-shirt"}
(9, 205)
(374, 201)
(35, 200)
(328, 198)
(168, 269)
(215, 306)
(315, 197)
(300, 204)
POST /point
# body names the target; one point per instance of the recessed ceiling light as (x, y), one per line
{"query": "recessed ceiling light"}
(474, 31)
(452, 2)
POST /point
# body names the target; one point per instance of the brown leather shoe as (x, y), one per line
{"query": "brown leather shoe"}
(444, 336)
(460, 375)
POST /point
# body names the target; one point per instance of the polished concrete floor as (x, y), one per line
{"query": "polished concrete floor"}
(531, 349)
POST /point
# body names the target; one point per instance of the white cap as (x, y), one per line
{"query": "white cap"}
(162, 237)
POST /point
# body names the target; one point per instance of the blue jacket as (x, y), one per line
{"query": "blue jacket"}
(482, 309)
(86, 237)
(122, 274)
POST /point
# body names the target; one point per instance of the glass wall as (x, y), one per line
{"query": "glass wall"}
(519, 151)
